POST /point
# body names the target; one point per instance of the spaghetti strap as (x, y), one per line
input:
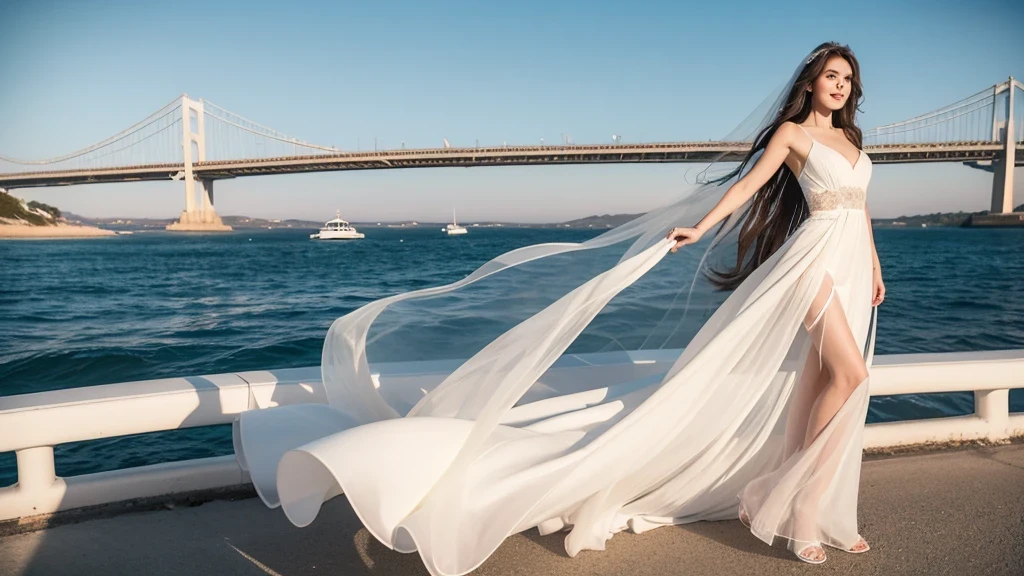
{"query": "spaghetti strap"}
(807, 159)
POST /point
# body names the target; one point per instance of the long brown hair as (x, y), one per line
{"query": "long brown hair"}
(779, 207)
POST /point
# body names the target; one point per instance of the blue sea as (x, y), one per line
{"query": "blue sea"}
(152, 305)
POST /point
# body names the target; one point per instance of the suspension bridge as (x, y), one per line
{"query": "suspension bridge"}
(196, 141)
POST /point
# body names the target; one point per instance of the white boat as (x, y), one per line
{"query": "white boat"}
(337, 229)
(454, 229)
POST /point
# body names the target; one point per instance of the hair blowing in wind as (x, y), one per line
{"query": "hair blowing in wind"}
(778, 207)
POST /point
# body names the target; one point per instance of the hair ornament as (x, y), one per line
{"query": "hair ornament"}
(816, 53)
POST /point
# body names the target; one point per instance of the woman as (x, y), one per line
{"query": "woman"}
(819, 118)
(452, 459)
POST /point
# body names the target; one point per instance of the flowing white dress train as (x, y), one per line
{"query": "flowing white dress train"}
(493, 450)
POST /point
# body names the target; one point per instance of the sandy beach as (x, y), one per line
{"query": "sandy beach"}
(8, 231)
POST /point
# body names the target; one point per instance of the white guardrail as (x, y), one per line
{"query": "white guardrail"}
(32, 424)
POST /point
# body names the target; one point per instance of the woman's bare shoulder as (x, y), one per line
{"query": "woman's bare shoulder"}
(787, 134)
(789, 129)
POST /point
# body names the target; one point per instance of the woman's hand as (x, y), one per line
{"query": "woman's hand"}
(684, 236)
(877, 288)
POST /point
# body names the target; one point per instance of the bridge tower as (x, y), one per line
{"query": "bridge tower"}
(201, 218)
(1002, 167)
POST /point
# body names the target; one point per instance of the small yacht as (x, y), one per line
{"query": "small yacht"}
(337, 229)
(454, 229)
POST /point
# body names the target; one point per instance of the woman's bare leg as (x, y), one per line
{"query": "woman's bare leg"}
(841, 370)
(813, 379)
(838, 351)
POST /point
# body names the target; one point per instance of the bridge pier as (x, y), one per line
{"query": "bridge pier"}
(204, 218)
(207, 195)
(1002, 166)
(201, 219)
(1002, 184)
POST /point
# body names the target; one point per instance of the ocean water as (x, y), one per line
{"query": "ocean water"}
(152, 305)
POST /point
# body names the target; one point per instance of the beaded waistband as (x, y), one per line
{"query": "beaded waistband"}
(850, 197)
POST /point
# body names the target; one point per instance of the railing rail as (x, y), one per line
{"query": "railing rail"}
(32, 424)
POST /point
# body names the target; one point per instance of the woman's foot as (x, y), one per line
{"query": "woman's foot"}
(811, 553)
(744, 519)
(860, 546)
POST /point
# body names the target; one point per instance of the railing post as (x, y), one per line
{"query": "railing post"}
(993, 406)
(36, 470)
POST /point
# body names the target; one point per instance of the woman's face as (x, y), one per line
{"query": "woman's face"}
(832, 87)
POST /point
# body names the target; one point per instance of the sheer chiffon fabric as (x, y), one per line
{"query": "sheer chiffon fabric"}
(498, 445)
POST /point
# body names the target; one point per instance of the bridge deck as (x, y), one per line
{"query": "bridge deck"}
(669, 152)
(951, 512)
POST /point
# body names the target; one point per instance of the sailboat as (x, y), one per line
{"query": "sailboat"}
(454, 229)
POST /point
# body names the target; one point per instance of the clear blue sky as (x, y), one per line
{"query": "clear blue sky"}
(338, 73)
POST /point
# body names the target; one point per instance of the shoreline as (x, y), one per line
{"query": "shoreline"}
(16, 231)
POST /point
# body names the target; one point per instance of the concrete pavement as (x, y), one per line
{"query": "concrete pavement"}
(951, 512)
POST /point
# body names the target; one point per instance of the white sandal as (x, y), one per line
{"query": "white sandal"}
(851, 550)
(745, 520)
(800, 553)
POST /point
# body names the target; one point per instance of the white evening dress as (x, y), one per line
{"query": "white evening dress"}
(498, 447)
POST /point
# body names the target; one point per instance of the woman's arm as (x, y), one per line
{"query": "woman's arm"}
(875, 264)
(877, 285)
(775, 153)
(767, 165)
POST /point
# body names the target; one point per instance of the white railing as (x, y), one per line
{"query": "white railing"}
(32, 424)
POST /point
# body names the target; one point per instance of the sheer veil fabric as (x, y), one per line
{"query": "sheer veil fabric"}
(487, 437)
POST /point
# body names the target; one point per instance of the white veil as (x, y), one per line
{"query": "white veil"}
(483, 439)
(521, 282)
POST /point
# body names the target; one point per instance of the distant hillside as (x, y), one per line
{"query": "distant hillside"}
(14, 210)
(602, 221)
(249, 222)
(935, 219)
(241, 222)
(135, 223)
(236, 222)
